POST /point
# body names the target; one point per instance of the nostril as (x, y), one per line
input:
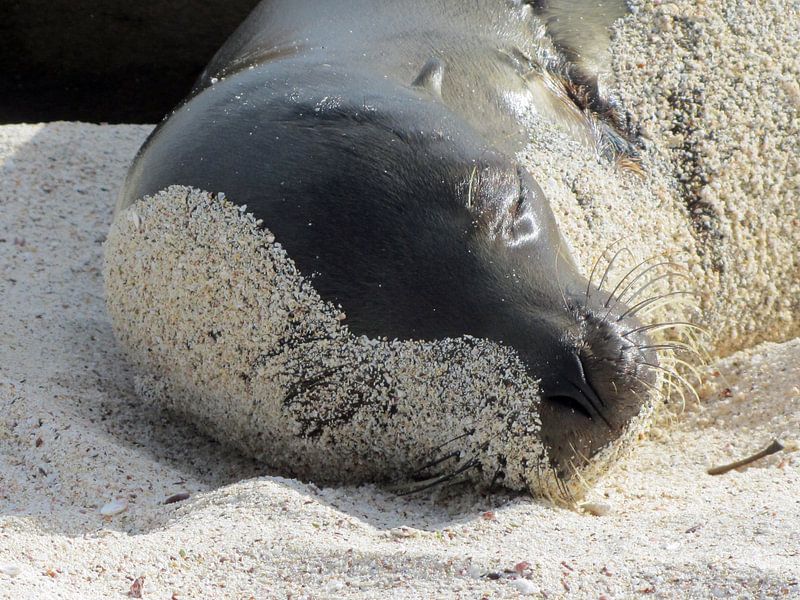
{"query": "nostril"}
(570, 403)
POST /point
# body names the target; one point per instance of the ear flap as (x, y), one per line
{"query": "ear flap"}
(581, 29)
(430, 77)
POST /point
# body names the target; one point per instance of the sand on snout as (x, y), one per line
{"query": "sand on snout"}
(86, 469)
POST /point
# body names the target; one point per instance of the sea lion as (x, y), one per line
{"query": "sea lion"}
(392, 298)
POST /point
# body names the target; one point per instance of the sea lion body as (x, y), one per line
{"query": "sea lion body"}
(375, 141)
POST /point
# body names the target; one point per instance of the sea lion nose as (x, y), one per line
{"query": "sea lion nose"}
(569, 387)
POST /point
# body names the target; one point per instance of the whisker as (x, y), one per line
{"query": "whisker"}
(678, 389)
(576, 474)
(468, 432)
(436, 461)
(669, 382)
(545, 486)
(580, 454)
(692, 368)
(663, 348)
(559, 284)
(645, 303)
(675, 375)
(694, 341)
(676, 274)
(611, 264)
(659, 393)
(660, 326)
(671, 302)
(597, 263)
(561, 485)
(672, 345)
(472, 462)
(539, 486)
(469, 189)
(430, 483)
(433, 462)
(628, 274)
(638, 277)
(495, 479)
(649, 386)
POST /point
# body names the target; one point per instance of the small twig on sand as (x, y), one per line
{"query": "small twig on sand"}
(774, 447)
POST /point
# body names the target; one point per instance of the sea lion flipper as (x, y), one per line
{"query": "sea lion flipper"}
(581, 29)
(431, 76)
(581, 32)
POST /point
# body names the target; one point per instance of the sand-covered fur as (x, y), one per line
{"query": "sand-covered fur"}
(713, 88)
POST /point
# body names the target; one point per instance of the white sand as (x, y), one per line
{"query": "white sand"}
(74, 438)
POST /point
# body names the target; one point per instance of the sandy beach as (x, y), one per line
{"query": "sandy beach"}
(102, 496)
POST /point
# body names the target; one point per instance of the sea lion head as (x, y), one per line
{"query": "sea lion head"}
(398, 211)
(429, 231)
